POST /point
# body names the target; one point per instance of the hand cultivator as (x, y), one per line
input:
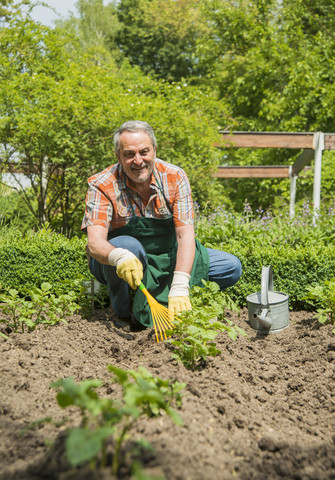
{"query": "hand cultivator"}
(162, 317)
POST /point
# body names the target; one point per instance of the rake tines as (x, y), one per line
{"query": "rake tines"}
(162, 317)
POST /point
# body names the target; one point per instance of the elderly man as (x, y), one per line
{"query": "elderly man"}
(139, 224)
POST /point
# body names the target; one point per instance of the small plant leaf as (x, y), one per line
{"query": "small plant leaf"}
(83, 445)
(45, 287)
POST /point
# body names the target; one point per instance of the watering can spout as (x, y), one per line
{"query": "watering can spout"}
(263, 319)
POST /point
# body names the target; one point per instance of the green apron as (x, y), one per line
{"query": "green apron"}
(158, 238)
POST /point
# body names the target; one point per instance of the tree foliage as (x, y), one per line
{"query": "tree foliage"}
(60, 106)
(8, 8)
(261, 63)
(161, 36)
(187, 67)
(273, 63)
(52, 110)
(96, 25)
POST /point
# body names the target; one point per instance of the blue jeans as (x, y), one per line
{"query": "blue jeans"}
(224, 268)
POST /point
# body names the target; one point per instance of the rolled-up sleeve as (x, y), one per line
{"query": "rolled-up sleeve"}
(99, 209)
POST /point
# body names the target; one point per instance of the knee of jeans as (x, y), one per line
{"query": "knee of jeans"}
(131, 244)
(125, 241)
(236, 270)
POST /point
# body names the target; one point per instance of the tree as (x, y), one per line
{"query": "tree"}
(273, 63)
(8, 8)
(96, 26)
(59, 107)
(160, 36)
(258, 50)
(52, 118)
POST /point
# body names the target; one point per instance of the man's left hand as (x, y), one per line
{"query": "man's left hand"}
(179, 300)
(179, 304)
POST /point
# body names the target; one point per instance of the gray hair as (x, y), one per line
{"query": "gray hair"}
(133, 126)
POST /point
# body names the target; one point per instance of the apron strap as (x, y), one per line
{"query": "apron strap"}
(160, 186)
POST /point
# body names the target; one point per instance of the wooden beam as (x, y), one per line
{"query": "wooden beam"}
(329, 141)
(259, 171)
(253, 172)
(266, 140)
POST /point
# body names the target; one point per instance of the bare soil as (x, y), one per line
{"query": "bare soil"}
(263, 409)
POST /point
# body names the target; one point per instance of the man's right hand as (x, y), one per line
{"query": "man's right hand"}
(128, 266)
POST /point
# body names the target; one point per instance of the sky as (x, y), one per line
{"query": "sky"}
(47, 16)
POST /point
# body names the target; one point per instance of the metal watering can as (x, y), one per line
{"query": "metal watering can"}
(268, 310)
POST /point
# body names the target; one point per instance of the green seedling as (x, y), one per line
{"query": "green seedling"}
(90, 294)
(37, 423)
(36, 306)
(193, 337)
(324, 295)
(11, 307)
(49, 308)
(104, 418)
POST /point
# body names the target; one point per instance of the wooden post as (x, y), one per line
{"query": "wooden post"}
(44, 188)
(293, 189)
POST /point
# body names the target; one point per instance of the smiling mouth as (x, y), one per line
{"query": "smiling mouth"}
(139, 169)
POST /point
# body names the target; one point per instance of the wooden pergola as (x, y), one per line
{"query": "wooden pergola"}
(312, 144)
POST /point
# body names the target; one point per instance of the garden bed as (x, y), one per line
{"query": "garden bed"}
(264, 408)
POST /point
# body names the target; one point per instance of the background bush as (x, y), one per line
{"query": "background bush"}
(31, 259)
(293, 270)
(299, 253)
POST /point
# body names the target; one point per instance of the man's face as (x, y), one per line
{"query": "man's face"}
(137, 156)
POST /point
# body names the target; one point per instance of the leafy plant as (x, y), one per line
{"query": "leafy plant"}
(39, 306)
(193, 337)
(325, 296)
(102, 418)
(139, 474)
(50, 308)
(14, 307)
(90, 294)
(170, 392)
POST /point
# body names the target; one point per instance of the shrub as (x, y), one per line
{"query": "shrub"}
(323, 296)
(27, 261)
(300, 254)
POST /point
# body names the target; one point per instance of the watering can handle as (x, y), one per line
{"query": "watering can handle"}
(267, 284)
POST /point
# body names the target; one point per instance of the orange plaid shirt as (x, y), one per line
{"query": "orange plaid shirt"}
(108, 203)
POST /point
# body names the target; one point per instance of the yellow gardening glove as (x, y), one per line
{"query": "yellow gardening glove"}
(179, 304)
(128, 266)
(178, 300)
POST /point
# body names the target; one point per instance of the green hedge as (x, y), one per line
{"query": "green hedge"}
(32, 259)
(293, 269)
